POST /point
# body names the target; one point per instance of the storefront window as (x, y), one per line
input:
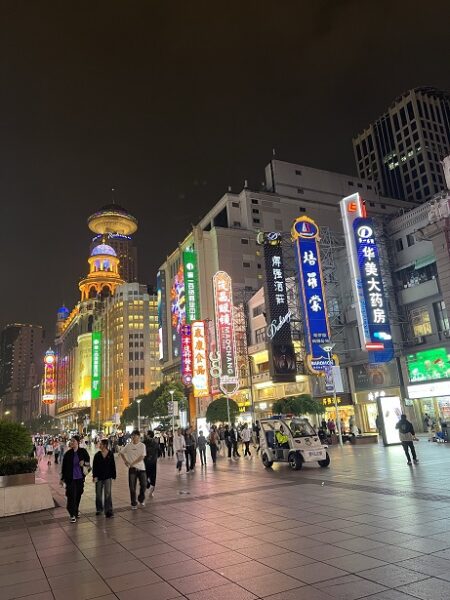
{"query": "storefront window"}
(420, 321)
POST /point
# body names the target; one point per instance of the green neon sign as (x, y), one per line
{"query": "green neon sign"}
(428, 365)
(191, 287)
(96, 384)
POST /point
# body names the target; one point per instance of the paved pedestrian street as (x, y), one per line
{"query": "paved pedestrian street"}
(367, 527)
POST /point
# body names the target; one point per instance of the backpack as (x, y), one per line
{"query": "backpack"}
(404, 427)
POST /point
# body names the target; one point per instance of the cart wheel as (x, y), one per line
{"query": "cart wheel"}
(266, 462)
(326, 462)
(295, 461)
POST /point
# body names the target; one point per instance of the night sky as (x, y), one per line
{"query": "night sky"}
(171, 102)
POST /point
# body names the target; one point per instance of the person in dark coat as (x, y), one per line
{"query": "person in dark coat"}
(103, 472)
(72, 475)
(151, 460)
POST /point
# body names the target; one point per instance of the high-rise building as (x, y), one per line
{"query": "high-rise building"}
(401, 150)
(113, 225)
(21, 367)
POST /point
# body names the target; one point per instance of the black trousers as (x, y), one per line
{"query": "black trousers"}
(247, 449)
(407, 446)
(213, 448)
(151, 473)
(133, 476)
(235, 449)
(191, 455)
(74, 491)
(230, 448)
(202, 452)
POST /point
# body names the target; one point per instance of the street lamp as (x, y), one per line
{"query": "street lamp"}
(139, 400)
(98, 418)
(172, 392)
(328, 348)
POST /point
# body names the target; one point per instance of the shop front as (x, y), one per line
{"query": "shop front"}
(346, 409)
(367, 407)
(266, 393)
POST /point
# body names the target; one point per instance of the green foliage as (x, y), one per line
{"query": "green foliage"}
(17, 466)
(217, 411)
(298, 405)
(154, 404)
(44, 424)
(15, 440)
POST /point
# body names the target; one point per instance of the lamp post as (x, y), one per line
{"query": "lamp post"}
(328, 348)
(139, 400)
(98, 420)
(115, 419)
(172, 392)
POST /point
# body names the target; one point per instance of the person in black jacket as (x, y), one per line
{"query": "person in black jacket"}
(151, 460)
(103, 472)
(73, 476)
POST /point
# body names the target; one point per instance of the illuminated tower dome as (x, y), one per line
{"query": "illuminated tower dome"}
(114, 225)
(103, 277)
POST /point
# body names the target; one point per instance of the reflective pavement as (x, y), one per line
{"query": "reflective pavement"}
(367, 527)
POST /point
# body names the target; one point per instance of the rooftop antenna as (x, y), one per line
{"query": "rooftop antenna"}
(112, 195)
(274, 152)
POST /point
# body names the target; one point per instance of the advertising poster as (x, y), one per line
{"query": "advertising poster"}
(96, 383)
(162, 315)
(190, 269)
(428, 365)
(177, 310)
(225, 334)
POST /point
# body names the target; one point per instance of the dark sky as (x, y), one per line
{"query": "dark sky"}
(171, 102)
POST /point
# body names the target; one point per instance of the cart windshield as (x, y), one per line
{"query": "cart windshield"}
(301, 428)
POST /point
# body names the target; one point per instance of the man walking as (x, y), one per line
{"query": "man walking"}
(234, 440)
(151, 460)
(190, 449)
(133, 455)
(246, 436)
(201, 443)
(103, 472)
(407, 437)
(228, 441)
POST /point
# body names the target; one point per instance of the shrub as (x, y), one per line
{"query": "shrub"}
(15, 440)
(217, 411)
(17, 465)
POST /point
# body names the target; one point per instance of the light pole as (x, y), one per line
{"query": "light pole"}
(328, 348)
(115, 419)
(139, 400)
(172, 392)
(98, 419)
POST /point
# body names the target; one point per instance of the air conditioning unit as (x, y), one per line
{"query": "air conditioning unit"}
(419, 340)
(446, 333)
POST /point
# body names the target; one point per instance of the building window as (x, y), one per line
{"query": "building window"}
(235, 204)
(244, 241)
(258, 310)
(246, 265)
(260, 335)
(254, 201)
(236, 223)
(255, 211)
(399, 244)
(297, 172)
(441, 315)
(300, 191)
(256, 221)
(350, 183)
(410, 240)
(420, 321)
(302, 209)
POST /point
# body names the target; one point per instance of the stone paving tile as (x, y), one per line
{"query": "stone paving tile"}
(180, 569)
(230, 591)
(269, 584)
(168, 558)
(239, 573)
(24, 589)
(198, 582)
(21, 577)
(391, 594)
(289, 560)
(69, 568)
(428, 589)
(83, 578)
(157, 591)
(315, 572)
(306, 592)
(351, 587)
(428, 565)
(121, 568)
(132, 580)
(324, 551)
(392, 554)
(354, 562)
(81, 591)
(392, 575)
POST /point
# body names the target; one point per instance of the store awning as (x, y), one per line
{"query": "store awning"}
(425, 261)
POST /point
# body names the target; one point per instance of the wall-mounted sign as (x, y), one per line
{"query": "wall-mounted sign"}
(428, 365)
(429, 390)
(162, 315)
(214, 358)
(282, 363)
(186, 355)
(368, 377)
(199, 360)
(178, 310)
(305, 233)
(49, 389)
(225, 335)
(96, 381)
(344, 399)
(191, 287)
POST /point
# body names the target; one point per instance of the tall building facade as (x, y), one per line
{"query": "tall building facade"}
(21, 368)
(401, 151)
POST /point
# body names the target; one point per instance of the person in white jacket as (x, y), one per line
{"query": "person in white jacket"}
(179, 447)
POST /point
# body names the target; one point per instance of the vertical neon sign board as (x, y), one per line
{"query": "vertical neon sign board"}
(190, 268)
(186, 355)
(96, 365)
(226, 342)
(162, 315)
(377, 323)
(199, 360)
(313, 304)
(49, 391)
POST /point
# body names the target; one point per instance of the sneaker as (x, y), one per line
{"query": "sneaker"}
(142, 503)
(416, 460)
(98, 512)
(409, 462)
(151, 489)
(73, 519)
(133, 507)
(78, 515)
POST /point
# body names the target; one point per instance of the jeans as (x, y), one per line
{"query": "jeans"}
(230, 448)
(103, 487)
(151, 473)
(409, 446)
(133, 475)
(190, 454)
(74, 491)
(247, 449)
(169, 450)
(235, 449)
(202, 452)
(213, 449)
(162, 450)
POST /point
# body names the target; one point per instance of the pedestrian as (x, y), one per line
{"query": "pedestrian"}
(40, 453)
(133, 455)
(75, 462)
(56, 450)
(228, 441)
(162, 443)
(246, 436)
(49, 451)
(331, 425)
(407, 437)
(201, 444)
(103, 472)
(234, 436)
(213, 443)
(179, 445)
(151, 460)
(323, 424)
(190, 450)
(169, 444)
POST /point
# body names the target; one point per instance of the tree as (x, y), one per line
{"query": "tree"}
(44, 424)
(298, 405)
(155, 403)
(217, 411)
(15, 440)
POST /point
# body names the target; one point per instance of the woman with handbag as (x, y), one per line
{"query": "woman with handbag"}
(75, 466)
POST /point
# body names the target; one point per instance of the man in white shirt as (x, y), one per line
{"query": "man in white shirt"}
(246, 436)
(133, 455)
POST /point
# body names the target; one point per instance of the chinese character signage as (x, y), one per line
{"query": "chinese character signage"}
(186, 355)
(96, 382)
(312, 299)
(49, 391)
(376, 325)
(162, 315)
(282, 363)
(226, 343)
(199, 360)
(191, 286)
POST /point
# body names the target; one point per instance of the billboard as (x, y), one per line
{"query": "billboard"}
(96, 380)
(199, 360)
(428, 365)
(190, 268)
(177, 310)
(373, 376)
(49, 388)
(282, 363)
(162, 315)
(186, 355)
(305, 233)
(225, 335)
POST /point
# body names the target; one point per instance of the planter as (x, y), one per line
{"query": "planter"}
(12, 480)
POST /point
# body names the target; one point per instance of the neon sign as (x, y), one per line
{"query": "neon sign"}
(186, 355)
(49, 391)
(313, 304)
(226, 342)
(178, 310)
(191, 286)
(96, 381)
(199, 360)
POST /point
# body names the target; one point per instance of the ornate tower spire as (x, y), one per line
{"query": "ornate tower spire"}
(103, 276)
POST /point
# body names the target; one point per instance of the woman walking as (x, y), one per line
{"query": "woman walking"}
(103, 472)
(179, 446)
(213, 443)
(72, 476)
